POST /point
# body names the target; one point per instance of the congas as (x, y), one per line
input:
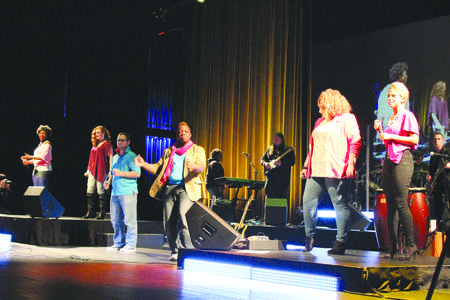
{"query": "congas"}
(380, 215)
(418, 205)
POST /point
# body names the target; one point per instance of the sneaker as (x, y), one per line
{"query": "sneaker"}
(128, 248)
(113, 248)
(173, 257)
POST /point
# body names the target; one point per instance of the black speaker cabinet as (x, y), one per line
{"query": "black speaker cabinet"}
(359, 221)
(40, 203)
(208, 230)
(276, 212)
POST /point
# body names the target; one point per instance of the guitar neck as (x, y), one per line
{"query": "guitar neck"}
(284, 154)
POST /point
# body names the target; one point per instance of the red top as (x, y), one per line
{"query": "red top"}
(99, 161)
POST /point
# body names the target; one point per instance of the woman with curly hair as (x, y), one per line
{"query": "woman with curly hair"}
(41, 158)
(437, 117)
(330, 165)
(98, 168)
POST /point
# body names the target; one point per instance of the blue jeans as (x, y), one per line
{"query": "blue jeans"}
(176, 204)
(40, 178)
(124, 213)
(315, 190)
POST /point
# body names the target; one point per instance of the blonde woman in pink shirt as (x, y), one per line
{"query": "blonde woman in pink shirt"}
(41, 158)
(400, 137)
(330, 165)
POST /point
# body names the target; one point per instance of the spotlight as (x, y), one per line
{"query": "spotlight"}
(201, 1)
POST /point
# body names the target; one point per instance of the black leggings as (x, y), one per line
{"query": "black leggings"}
(396, 180)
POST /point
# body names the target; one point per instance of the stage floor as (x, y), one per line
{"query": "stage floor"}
(36, 272)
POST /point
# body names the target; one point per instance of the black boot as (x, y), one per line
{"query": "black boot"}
(101, 207)
(90, 206)
(338, 248)
(309, 244)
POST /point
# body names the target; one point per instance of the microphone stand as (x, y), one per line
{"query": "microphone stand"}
(444, 223)
(255, 174)
(255, 170)
(252, 165)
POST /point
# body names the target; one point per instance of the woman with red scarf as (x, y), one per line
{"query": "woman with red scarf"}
(98, 168)
(178, 184)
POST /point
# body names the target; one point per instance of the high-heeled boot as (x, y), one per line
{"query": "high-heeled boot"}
(90, 206)
(410, 252)
(101, 207)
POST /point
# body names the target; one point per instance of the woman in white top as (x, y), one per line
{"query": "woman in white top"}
(41, 158)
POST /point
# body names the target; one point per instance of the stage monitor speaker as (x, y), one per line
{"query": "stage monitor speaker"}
(359, 221)
(208, 230)
(276, 212)
(40, 203)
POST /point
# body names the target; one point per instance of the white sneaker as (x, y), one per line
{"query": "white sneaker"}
(128, 248)
(113, 248)
(174, 257)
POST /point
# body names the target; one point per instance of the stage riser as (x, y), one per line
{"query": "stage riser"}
(81, 232)
(351, 278)
(64, 231)
(365, 276)
(155, 241)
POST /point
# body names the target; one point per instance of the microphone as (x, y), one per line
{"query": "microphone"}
(246, 154)
(439, 154)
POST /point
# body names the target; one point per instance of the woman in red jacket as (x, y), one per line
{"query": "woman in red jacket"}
(98, 168)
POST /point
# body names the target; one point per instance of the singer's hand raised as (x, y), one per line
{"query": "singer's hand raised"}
(139, 161)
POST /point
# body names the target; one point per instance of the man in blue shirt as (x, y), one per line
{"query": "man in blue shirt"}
(124, 174)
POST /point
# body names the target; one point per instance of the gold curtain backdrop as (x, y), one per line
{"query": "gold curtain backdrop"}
(248, 76)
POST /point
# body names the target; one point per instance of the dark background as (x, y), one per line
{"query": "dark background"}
(76, 64)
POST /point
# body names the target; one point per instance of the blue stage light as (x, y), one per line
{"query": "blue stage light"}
(304, 280)
(293, 247)
(326, 214)
(259, 274)
(331, 214)
(217, 268)
(5, 241)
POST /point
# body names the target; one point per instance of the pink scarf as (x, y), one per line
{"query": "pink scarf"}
(179, 151)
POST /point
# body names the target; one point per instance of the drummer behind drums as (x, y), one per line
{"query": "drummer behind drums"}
(438, 194)
(420, 170)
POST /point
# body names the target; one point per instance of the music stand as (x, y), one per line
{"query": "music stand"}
(445, 223)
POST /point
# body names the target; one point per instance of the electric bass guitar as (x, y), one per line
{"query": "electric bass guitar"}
(272, 164)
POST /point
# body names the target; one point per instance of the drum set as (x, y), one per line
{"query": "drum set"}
(417, 202)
